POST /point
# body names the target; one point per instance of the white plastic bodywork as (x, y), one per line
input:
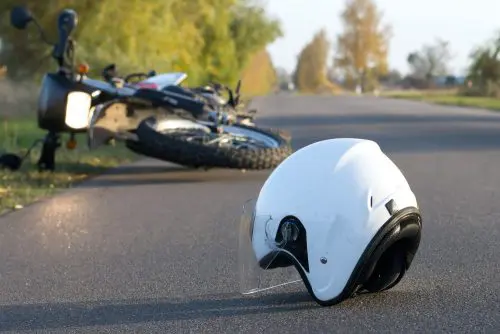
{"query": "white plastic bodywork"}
(78, 106)
(338, 189)
(167, 79)
(160, 80)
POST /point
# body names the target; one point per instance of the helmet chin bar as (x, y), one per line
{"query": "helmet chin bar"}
(384, 261)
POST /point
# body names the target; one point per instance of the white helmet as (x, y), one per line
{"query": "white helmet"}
(340, 214)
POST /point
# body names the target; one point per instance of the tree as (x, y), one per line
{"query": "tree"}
(259, 76)
(485, 62)
(207, 39)
(431, 61)
(484, 69)
(362, 47)
(311, 70)
(251, 30)
(138, 43)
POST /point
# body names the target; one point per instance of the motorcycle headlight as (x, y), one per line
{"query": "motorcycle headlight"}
(78, 106)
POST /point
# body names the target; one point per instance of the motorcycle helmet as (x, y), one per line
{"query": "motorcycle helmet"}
(337, 215)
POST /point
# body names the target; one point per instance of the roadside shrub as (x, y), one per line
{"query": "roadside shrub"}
(17, 98)
(490, 89)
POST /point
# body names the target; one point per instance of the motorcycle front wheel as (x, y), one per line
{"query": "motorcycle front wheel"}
(234, 146)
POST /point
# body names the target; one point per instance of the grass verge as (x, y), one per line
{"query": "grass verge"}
(446, 97)
(28, 185)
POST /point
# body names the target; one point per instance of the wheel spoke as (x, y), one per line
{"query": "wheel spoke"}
(224, 139)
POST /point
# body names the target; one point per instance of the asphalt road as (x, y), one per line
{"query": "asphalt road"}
(153, 248)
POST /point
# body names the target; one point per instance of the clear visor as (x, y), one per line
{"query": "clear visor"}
(262, 264)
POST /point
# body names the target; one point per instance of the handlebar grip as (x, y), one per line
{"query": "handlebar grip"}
(106, 72)
(66, 23)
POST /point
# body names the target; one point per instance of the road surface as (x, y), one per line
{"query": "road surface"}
(153, 248)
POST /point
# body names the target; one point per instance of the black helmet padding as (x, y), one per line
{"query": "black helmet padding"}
(393, 255)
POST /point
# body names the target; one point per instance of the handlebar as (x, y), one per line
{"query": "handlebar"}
(139, 75)
(234, 96)
(110, 74)
(63, 51)
(134, 75)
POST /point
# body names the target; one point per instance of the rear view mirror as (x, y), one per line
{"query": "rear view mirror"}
(20, 16)
(66, 23)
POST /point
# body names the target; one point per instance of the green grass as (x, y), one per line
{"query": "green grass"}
(446, 97)
(27, 185)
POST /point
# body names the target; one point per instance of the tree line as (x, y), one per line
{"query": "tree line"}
(210, 40)
(361, 59)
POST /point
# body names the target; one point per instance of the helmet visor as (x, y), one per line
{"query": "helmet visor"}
(262, 264)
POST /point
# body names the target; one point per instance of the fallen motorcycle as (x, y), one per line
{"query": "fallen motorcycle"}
(230, 110)
(165, 122)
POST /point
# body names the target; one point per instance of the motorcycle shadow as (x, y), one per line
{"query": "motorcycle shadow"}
(140, 175)
(63, 315)
(53, 316)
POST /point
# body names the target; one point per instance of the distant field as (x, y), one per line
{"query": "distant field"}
(415, 93)
(445, 97)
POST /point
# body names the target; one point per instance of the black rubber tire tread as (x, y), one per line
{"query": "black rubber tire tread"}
(171, 148)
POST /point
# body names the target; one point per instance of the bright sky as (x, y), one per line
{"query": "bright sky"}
(464, 23)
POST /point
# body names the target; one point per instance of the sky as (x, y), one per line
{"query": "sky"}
(464, 23)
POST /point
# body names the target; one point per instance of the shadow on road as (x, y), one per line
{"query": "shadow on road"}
(77, 168)
(148, 169)
(62, 315)
(365, 307)
(157, 175)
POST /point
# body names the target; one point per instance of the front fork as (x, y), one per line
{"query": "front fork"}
(51, 142)
(47, 160)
